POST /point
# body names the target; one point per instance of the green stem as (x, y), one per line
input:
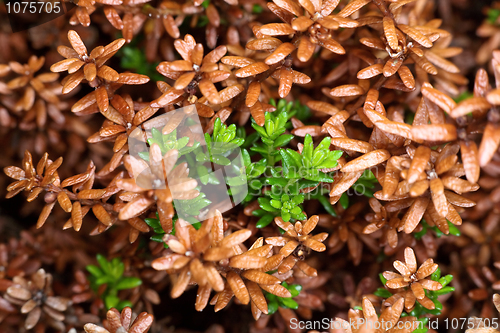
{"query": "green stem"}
(270, 158)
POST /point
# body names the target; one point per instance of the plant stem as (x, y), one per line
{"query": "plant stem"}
(383, 8)
(270, 158)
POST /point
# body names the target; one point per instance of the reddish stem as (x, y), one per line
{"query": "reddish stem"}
(383, 8)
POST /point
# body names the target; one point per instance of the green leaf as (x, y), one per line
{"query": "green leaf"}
(453, 229)
(157, 238)
(134, 58)
(103, 280)
(237, 142)
(363, 190)
(268, 141)
(438, 304)
(259, 212)
(424, 321)
(300, 216)
(201, 157)
(289, 303)
(276, 204)
(221, 160)
(94, 270)
(318, 157)
(336, 154)
(283, 140)
(106, 267)
(436, 275)
(307, 151)
(368, 175)
(199, 204)
(123, 304)
(260, 130)
(289, 163)
(270, 297)
(128, 283)
(115, 262)
(144, 155)
(269, 125)
(324, 145)
(182, 142)
(294, 289)
(255, 184)
(159, 230)
(272, 307)
(382, 292)
(382, 279)
(157, 136)
(298, 199)
(422, 325)
(282, 103)
(259, 149)
(435, 312)
(203, 174)
(421, 330)
(212, 179)
(302, 112)
(246, 157)
(153, 223)
(254, 170)
(236, 181)
(366, 183)
(278, 132)
(118, 268)
(301, 184)
(493, 14)
(409, 117)
(282, 118)
(326, 204)
(438, 232)
(187, 149)
(317, 175)
(217, 126)
(257, 9)
(272, 194)
(241, 132)
(296, 157)
(344, 200)
(251, 139)
(276, 181)
(265, 204)
(111, 301)
(264, 221)
(445, 290)
(445, 280)
(421, 233)
(327, 163)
